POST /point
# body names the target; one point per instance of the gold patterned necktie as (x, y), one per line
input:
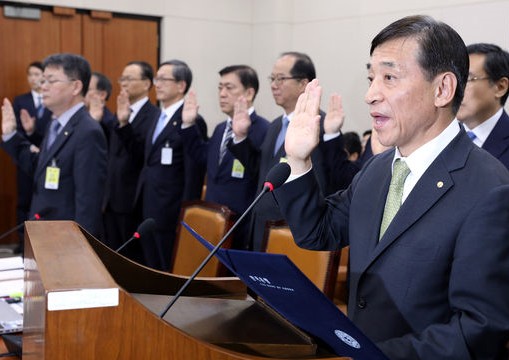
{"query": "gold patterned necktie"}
(393, 201)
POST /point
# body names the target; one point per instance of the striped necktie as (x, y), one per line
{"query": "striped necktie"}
(228, 131)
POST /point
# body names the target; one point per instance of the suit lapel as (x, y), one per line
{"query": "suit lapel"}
(430, 188)
(48, 154)
(497, 141)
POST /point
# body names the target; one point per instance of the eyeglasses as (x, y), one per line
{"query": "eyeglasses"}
(161, 79)
(51, 82)
(128, 79)
(476, 78)
(279, 79)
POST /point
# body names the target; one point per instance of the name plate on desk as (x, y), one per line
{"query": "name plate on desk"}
(82, 299)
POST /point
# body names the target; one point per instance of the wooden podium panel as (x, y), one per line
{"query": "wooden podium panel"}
(64, 262)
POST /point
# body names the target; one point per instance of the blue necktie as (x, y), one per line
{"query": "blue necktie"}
(471, 135)
(281, 136)
(228, 131)
(40, 108)
(53, 132)
(159, 127)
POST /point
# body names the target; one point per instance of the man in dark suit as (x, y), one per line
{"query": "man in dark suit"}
(169, 175)
(32, 118)
(228, 182)
(125, 159)
(482, 111)
(290, 75)
(98, 93)
(70, 169)
(429, 269)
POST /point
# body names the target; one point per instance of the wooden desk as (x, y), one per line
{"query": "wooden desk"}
(4, 350)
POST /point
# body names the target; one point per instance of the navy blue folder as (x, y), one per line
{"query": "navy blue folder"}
(277, 280)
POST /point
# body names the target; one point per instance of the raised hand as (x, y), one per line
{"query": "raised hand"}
(335, 115)
(190, 109)
(95, 106)
(8, 118)
(27, 121)
(303, 132)
(241, 120)
(123, 110)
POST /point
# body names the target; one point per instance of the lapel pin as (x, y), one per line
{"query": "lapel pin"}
(174, 123)
(440, 184)
(66, 133)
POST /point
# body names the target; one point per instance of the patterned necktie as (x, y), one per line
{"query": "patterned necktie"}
(161, 123)
(393, 201)
(228, 131)
(40, 108)
(53, 132)
(282, 133)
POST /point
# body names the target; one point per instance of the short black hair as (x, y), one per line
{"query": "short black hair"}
(103, 83)
(496, 62)
(352, 142)
(147, 72)
(303, 67)
(441, 49)
(181, 72)
(247, 76)
(75, 67)
(35, 64)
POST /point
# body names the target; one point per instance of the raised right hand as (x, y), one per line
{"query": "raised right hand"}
(8, 118)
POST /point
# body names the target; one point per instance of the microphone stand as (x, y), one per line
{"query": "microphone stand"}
(212, 253)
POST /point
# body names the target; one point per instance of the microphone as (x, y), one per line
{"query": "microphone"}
(146, 227)
(275, 178)
(37, 216)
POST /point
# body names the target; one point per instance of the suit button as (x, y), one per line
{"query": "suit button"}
(361, 304)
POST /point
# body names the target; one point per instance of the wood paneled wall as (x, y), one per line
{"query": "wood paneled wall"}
(107, 40)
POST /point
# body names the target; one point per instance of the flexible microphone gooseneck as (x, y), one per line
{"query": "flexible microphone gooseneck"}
(37, 216)
(146, 227)
(275, 178)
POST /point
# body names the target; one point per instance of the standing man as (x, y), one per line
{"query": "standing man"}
(125, 158)
(430, 280)
(228, 182)
(98, 93)
(482, 110)
(70, 169)
(290, 75)
(169, 175)
(32, 119)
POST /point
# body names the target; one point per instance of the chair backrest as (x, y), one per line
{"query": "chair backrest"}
(212, 221)
(321, 267)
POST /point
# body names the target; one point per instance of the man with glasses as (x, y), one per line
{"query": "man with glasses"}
(169, 175)
(482, 110)
(70, 169)
(228, 181)
(290, 75)
(135, 116)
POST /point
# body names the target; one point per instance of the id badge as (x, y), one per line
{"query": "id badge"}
(166, 155)
(237, 169)
(283, 160)
(52, 177)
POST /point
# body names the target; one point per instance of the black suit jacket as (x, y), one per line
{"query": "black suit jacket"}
(497, 143)
(263, 159)
(125, 159)
(223, 188)
(436, 284)
(80, 152)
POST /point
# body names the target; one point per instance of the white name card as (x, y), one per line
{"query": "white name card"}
(82, 299)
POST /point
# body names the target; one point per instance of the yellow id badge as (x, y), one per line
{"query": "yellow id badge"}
(237, 169)
(283, 160)
(52, 177)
